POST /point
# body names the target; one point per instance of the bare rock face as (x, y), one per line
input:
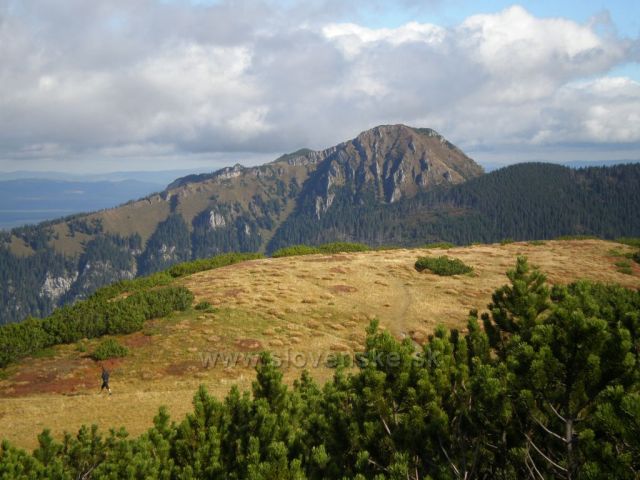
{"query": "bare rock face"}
(216, 220)
(55, 287)
(394, 162)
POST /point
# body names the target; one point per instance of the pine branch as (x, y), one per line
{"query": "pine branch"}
(559, 467)
(562, 439)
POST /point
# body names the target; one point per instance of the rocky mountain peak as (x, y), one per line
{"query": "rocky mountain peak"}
(392, 161)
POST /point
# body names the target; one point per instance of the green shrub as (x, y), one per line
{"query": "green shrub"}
(537, 243)
(343, 247)
(577, 237)
(506, 241)
(109, 348)
(335, 247)
(295, 250)
(624, 266)
(441, 245)
(636, 257)
(443, 265)
(631, 241)
(223, 260)
(388, 247)
(204, 305)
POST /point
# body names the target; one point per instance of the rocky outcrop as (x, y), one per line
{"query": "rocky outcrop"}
(55, 287)
(216, 220)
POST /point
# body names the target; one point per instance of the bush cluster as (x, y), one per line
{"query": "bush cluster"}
(440, 245)
(549, 388)
(223, 260)
(443, 265)
(91, 318)
(631, 241)
(327, 248)
(204, 305)
(109, 348)
(165, 277)
(576, 237)
(343, 247)
(624, 266)
(295, 250)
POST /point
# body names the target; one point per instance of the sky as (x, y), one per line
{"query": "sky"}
(117, 85)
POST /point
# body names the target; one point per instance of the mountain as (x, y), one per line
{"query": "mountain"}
(389, 185)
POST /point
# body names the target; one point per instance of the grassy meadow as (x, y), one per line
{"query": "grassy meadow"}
(301, 308)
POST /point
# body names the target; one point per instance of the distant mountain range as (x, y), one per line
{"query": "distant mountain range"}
(33, 200)
(390, 185)
(160, 177)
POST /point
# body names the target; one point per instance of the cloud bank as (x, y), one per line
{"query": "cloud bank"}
(137, 83)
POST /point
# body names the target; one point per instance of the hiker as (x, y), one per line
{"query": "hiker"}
(105, 380)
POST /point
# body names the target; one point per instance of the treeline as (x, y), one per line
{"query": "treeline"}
(521, 202)
(549, 388)
(108, 311)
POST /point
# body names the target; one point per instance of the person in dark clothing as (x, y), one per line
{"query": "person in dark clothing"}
(105, 380)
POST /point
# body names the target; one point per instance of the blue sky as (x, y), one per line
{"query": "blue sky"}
(171, 84)
(624, 15)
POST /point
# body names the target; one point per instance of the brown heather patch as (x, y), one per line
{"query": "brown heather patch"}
(337, 270)
(248, 344)
(343, 289)
(182, 368)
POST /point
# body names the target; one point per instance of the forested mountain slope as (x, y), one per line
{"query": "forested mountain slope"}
(525, 201)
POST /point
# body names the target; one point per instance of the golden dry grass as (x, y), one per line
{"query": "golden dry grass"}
(311, 305)
(18, 247)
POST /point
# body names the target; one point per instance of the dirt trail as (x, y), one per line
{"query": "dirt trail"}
(399, 325)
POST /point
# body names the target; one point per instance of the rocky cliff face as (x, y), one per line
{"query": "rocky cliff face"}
(392, 161)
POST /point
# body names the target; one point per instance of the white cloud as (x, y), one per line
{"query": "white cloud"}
(352, 38)
(137, 79)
